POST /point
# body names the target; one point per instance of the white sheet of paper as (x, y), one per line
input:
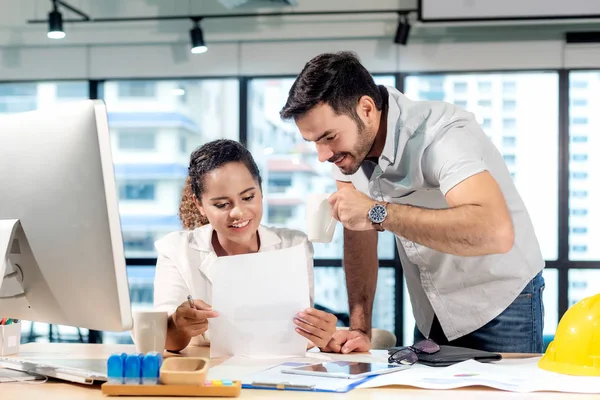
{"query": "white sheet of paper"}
(257, 297)
(518, 375)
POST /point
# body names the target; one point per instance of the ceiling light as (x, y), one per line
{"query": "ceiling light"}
(402, 31)
(198, 44)
(55, 24)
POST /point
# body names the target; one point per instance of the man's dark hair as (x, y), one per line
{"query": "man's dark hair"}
(337, 79)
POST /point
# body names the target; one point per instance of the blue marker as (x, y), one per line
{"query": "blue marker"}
(132, 369)
(115, 369)
(151, 368)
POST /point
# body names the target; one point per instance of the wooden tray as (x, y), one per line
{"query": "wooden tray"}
(173, 390)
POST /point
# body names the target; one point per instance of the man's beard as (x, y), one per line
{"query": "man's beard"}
(357, 155)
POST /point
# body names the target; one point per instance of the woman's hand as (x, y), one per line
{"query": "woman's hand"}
(315, 325)
(193, 321)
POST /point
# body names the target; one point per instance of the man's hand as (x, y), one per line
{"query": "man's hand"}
(351, 208)
(316, 325)
(344, 341)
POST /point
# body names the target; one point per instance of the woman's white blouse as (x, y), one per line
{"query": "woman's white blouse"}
(185, 259)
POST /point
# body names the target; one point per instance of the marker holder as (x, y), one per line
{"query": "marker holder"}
(10, 339)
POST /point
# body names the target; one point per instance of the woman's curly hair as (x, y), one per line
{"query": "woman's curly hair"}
(203, 160)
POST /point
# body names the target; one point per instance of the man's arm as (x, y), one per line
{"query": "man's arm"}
(361, 266)
(476, 223)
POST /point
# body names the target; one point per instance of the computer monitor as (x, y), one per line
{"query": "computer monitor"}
(63, 260)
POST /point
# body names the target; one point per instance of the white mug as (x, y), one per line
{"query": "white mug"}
(320, 224)
(150, 331)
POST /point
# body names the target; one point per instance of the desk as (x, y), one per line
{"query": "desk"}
(59, 390)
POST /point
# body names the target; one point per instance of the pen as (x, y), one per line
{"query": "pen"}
(191, 301)
(282, 386)
(3, 321)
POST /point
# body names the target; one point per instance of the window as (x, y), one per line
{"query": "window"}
(137, 191)
(279, 185)
(583, 283)
(18, 89)
(509, 141)
(484, 103)
(330, 292)
(460, 87)
(183, 144)
(141, 294)
(579, 229)
(28, 96)
(137, 89)
(550, 298)
(137, 140)
(71, 90)
(461, 103)
(154, 128)
(279, 214)
(579, 212)
(579, 121)
(285, 157)
(578, 84)
(509, 105)
(579, 157)
(509, 87)
(509, 123)
(579, 175)
(580, 194)
(510, 159)
(579, 248)
(484, 87)
(584, 175)
(540, 111)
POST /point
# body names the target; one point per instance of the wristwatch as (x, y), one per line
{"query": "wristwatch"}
(378, 214)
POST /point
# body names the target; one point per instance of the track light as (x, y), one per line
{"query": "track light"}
(403, 30)
(198, 44)
(55, 23)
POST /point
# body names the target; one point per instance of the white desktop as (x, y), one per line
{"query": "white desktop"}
(61, 248)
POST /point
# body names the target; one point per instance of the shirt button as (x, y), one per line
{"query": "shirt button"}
(432, 296)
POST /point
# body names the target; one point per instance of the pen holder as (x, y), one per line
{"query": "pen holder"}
(10, 338)
(184, 371)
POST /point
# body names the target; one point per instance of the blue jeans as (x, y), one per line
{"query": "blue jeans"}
(518, 329)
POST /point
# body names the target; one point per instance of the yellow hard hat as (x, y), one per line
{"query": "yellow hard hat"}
(575, 349)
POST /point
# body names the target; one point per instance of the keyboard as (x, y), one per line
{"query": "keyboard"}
(86, 371)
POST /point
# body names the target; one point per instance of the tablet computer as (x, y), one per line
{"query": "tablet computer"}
(346, 369)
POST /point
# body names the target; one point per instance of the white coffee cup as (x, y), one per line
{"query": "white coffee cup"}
(320, 224)
(150, 331)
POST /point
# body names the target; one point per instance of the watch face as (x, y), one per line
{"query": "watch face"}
(377, 214)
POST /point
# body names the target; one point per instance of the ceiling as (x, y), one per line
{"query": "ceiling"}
(15, 31)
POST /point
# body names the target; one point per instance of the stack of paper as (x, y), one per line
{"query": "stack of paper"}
(516, 375)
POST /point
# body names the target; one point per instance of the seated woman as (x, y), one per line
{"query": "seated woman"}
(221, 209)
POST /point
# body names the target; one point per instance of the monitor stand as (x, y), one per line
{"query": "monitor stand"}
(13, 246)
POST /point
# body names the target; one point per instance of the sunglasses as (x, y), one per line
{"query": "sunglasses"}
(407, 355)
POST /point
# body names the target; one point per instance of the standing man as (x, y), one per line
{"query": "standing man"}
(426, 172)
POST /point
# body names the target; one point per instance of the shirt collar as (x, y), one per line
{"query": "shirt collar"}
(201, 239)
(388, 154)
